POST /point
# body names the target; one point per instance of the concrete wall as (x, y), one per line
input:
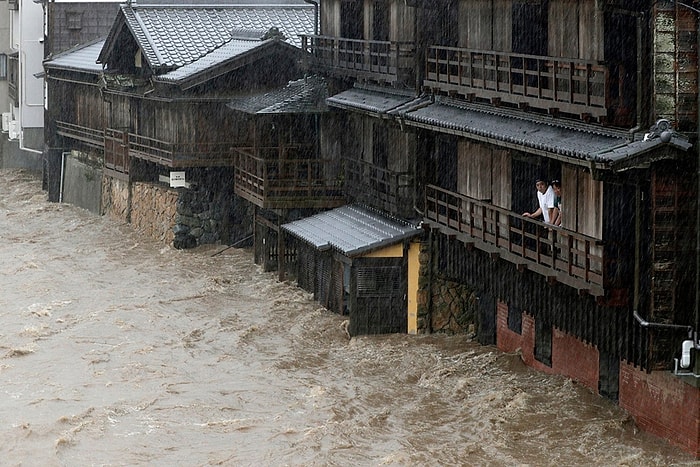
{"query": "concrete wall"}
(12, 157)
(82, 184)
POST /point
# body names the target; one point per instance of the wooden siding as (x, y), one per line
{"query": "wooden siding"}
(488, 24)
(561, 307)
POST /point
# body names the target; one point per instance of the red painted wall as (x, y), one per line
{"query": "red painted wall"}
(570, 357)
(662, 404)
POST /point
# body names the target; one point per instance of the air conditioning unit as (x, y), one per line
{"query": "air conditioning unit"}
(6, 117)
(13, 132)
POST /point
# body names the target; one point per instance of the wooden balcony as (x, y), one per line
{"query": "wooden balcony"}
(559, 254)
(271, 179)
(380, 188)
(576, 87)
(92, 137)
(168, 153)
(379, 61)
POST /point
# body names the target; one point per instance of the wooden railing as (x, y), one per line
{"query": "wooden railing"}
(567, 256)
(386, 61)
(381, 188)
(573, 86)
(116, 151)
(284, 182)
(91, 136)
(175, 154)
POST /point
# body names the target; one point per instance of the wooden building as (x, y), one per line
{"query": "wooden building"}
(151, 100)
(458, 106)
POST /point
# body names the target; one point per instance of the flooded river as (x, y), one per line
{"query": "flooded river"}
(118, 350)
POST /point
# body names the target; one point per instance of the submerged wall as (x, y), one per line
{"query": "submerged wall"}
(662, 404)
(570, 356)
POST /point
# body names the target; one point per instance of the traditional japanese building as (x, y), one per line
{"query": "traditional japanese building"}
(383, 154)
(447, 113)
(143, 114)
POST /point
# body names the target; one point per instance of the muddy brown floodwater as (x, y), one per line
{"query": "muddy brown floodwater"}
(118, 350)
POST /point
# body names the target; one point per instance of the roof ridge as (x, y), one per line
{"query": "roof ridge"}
(580, 126)
(133, 20)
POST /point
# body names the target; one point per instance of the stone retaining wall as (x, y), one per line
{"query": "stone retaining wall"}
(153, 210)
(206, 213)
(443, 305)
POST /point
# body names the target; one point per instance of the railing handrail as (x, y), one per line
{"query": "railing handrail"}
(548, 58)
(358, 41)
(555, 248)
(558, 84)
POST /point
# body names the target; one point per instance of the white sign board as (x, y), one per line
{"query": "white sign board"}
(177, 179)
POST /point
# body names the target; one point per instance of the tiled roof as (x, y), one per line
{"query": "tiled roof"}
(352, 230)
(306, 95)
(370, 99)
(228, 51)
(549, 136)
(81, 58)
(172, 36)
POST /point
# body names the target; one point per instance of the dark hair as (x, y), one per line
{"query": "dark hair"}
(556, 182)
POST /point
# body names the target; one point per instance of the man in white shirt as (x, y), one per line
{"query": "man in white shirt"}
(545, 197)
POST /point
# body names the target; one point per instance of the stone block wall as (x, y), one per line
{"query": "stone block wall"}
(206, 213)
(116, 201)
(153, 210)
(443, 305)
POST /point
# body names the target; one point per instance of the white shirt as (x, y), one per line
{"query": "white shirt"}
(546, 200)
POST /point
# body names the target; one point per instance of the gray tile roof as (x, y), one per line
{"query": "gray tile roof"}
(352, 230)
(228, 51)
(306, 95)
(370, 99)
(545, 135)
(81, 58)
(172, 36)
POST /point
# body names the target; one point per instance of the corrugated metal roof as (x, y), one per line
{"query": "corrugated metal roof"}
(370, 100)
(551, 136)
(306, 95)
(81, 58)
(352, 230)
(173, 35)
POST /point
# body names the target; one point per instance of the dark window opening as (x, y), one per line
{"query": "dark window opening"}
(74, 20)
(543, 341)
(380, 23)
(351, 23)
(515, 319)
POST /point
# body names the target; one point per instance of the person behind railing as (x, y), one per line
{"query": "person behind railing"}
(555, 217)
(545, 199)
(546, 209)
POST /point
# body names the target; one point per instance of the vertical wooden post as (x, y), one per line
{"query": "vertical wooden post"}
(281, 248)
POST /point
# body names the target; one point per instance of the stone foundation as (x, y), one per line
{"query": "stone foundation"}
(205, 213)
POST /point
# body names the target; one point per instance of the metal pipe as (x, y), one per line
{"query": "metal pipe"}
(646, 324)
(316, 6)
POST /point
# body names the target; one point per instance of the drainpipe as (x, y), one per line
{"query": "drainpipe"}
(316, 6)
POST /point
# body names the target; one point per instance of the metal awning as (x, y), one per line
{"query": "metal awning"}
(352, 230)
